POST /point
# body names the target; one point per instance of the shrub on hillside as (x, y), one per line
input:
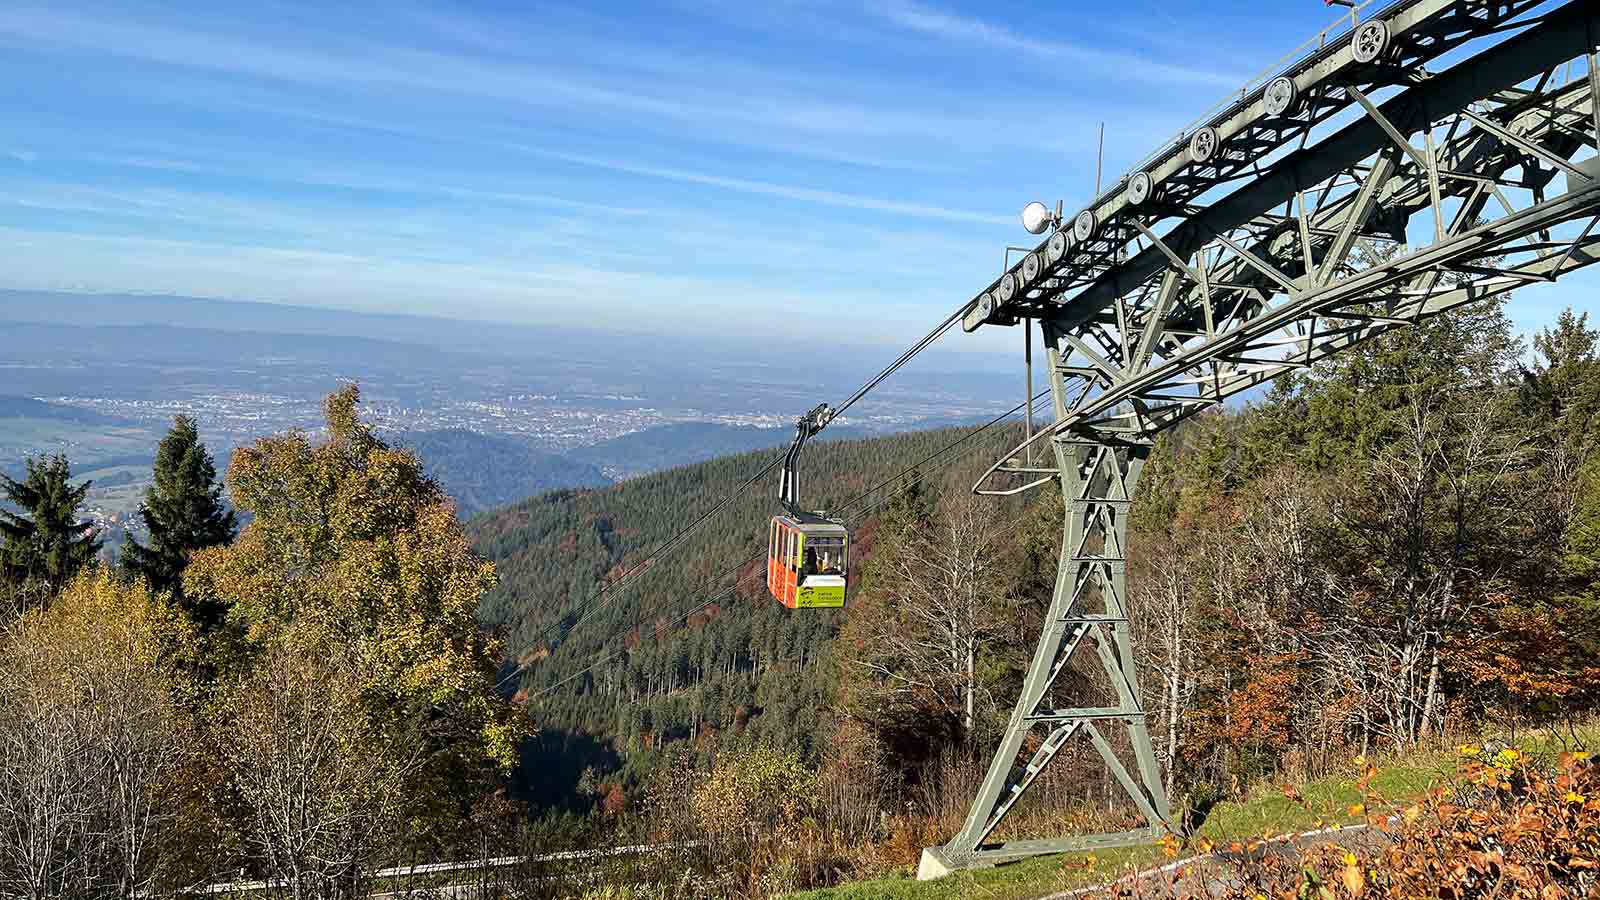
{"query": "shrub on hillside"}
(758, 807)
(1507, 828)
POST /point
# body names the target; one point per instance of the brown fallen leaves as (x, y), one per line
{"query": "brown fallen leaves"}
(1507, 827)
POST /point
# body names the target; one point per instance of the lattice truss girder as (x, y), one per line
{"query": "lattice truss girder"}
(1429, 29)
(1461, 194)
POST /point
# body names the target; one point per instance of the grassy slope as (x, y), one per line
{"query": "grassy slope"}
(1267, 812)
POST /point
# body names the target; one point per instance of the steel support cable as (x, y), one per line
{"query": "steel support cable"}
(725, 594)
(905, 357)
(847, 506)
(605, 592)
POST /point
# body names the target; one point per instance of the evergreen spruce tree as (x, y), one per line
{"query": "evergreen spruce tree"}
(42, 541)
(183, 510)
(1561, 391)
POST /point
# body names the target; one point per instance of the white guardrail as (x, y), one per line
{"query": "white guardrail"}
(498, 862)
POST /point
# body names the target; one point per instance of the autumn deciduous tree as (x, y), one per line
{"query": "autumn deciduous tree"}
(323, 774)
(354, 559)
(91, 745)
(932, 599)
(1183, 578)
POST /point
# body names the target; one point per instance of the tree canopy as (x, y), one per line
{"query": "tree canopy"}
(183, 510)
(44, 540)
(353, 553)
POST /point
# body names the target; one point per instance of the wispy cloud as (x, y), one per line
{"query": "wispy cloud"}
(1090, 62)
(771, 189)
(711, 96)
(454, 222)
(276, 169)
(621, 207)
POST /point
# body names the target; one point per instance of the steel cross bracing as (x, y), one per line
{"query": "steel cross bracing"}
(1391, 194)
(1089, 607)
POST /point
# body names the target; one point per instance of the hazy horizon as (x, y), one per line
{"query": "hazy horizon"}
(812, 170)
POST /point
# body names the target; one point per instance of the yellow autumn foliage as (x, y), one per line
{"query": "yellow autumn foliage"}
(354, 552)
(93, 742)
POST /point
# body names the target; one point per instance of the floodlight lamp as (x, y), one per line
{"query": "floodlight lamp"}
(1036, 217)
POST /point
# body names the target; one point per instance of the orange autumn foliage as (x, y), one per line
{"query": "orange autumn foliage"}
(1506, 828)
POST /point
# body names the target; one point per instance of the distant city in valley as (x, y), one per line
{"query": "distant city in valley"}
(571, 408)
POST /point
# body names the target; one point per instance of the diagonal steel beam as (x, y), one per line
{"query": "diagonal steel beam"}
(1521, 143)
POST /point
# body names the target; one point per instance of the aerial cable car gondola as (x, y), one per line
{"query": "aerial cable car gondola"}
(807, 552)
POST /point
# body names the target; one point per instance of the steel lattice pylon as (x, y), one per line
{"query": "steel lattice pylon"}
(1350, 192)
(1088, 606)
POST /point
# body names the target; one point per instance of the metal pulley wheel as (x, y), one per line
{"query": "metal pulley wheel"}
(1280, 96)
(1083, 227)
(985, 305)
(1057, 247)
(1006, 290)
(1371, 39)
(1031, 265)
(1139, 188)
(1203, 144)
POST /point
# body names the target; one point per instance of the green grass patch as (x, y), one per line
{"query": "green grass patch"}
(1026, 880)
(1267, 811)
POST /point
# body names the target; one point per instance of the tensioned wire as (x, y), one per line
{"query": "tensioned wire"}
(607, 592)
(718, 598)
(847, 507)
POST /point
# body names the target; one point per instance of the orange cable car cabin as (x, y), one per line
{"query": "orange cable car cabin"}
(806, 552)
(807, 562)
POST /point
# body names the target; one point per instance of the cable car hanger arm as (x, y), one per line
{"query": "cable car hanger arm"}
(804, 428)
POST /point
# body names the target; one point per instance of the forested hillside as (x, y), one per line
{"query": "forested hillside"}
(741, 667)
(483, 471)
(1398, 544)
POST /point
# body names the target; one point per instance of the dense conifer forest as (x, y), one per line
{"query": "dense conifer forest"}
(650, 664)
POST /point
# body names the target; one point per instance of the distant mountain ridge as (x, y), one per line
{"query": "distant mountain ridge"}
(485, 471)
(684, 443)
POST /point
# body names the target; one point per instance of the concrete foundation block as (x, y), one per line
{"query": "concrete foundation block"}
(937, 864)
(934, 865)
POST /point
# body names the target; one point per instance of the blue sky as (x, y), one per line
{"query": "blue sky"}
(747, 168)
